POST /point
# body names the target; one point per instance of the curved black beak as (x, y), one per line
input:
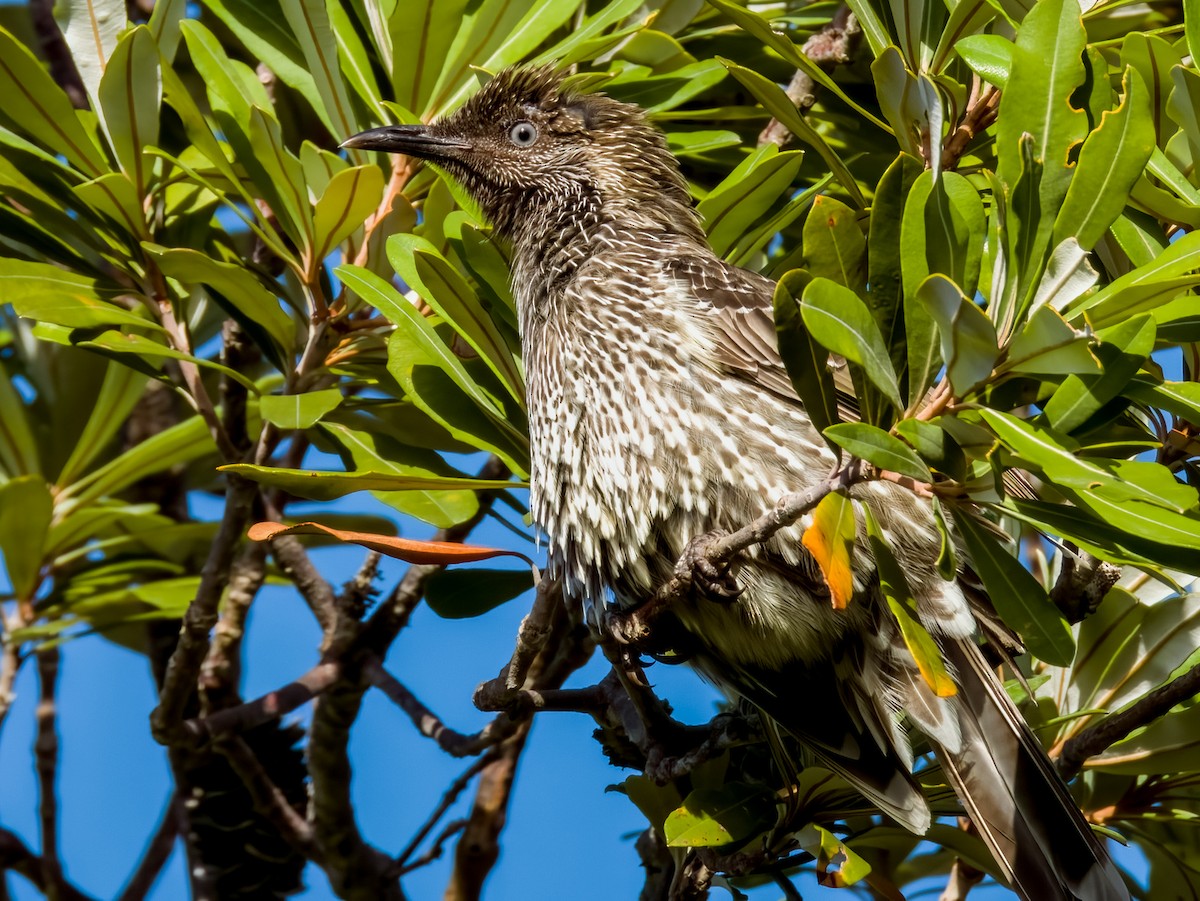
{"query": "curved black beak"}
(412, 140)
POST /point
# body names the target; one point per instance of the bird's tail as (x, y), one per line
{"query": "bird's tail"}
(1015, 799)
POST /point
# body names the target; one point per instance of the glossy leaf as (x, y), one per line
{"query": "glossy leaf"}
(119, 394)
(324, 486)
(836, 318)
(968, 337)
(1144, 288)
(466, 593)
(1018, 597)
(49, 293)
(746, 194)
(898, 595)
(309, 20)
(807, 363)
(1111, 160)
(712, 817)
(91, 29)
(834, 245)
(130, 96)
(349, 198)
(25, 510)
(877, 447)
(299, 411)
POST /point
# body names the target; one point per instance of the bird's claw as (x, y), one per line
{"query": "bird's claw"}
(715, 581)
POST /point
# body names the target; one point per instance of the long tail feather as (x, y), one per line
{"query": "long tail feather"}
(1016, 800)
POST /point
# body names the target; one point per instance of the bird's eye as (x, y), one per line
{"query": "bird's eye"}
(523, 134)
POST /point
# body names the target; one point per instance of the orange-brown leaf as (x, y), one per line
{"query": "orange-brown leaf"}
(830, 539)
(407, 549)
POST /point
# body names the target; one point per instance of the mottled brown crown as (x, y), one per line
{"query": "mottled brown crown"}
(533, 151)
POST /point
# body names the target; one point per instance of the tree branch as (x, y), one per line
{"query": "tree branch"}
(456, 788)
(272, 705)
(1095, 739)
(268, 799)
(156, 855)
(16, 856)
(46, 755)
(184, 666)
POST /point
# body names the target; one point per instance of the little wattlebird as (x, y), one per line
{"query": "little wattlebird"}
(660, 411)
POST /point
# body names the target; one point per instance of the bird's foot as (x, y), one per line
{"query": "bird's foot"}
(714, 580)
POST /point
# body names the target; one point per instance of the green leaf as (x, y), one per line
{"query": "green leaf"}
(1018, 597)
(467, 593)
(1047, 345)
(947, 561)
(48, 293)
(841, 322)
(954, 231)
(968, 336)
(180, 444)
(1122, 351)
(1144, 288)
(776, 102)
(441, 504)
(880, 449)
(283, 172)
(259, 309)
(807, 363)
(885, 289)
(25, 511)
(966, 18)
(712, 817)
(91, 29)
(164, 25)
(422, 31)
(113, 341)
(746, 194)
(324, 486)
(898, 595)
(990, 56)
(40, 108)
(1047, 67)
(1112, 159)
(299, 411)
(349, 198)
(119, 394)
(130, 97)
(760, 28)
(261, 26)
(310, 23)
(1107, 481)
(834, 246)
(439, 283)
(18, 447)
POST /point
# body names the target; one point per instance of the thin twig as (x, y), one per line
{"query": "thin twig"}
(1095, 739)
(456, 788)
(46, 754)
(268, 799)
(427, 722)
(16, 856)
(157, 853)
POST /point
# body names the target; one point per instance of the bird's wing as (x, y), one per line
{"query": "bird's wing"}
(741, 312)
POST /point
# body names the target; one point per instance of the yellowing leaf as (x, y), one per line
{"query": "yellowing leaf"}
(830, 539)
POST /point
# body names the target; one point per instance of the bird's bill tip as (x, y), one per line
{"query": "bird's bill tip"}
(415, 140)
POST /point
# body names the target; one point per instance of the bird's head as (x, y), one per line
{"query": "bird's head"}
(529, 148)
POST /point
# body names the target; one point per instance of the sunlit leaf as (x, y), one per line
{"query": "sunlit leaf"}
(830, 539)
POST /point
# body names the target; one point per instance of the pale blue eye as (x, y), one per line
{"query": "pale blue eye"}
(523, 134)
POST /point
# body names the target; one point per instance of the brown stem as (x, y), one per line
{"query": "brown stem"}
(456, 788)
(832, 46)
(428, 724)
(268, 707)
(222, 669)
(157, 853)
(184, 666)
(46, 754)
(980, 114)
(16, 856)
(1095, 739)
(479, 847)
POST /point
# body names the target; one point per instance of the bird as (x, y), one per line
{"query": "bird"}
(660, 411)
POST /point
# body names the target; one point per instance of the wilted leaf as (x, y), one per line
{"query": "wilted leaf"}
(830, 539)
(406, 549)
